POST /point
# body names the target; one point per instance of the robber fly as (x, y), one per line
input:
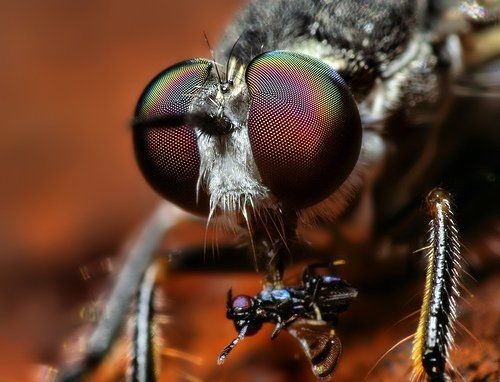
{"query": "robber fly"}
(311, 112)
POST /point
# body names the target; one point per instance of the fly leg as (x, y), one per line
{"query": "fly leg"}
(138, 258)
(143, 362)
(434, 335)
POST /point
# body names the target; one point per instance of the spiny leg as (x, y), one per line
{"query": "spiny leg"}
(143, 363)
(435, 331)
(139, 257)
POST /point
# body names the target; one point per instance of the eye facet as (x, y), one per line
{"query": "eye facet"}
(165, 145)
(303, 125)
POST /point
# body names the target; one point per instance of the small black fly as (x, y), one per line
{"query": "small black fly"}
(305, 311)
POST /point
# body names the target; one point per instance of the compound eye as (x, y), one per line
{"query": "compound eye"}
(242, 303)
(165, 145)
(303, 125)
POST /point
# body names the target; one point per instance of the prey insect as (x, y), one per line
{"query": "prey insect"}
(305, 126)
(309, 311)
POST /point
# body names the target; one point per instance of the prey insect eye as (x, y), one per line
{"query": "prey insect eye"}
(165, 145)
(303, 125)
(242, 303)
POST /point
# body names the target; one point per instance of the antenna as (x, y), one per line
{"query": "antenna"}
(230, 55)
(213, 57)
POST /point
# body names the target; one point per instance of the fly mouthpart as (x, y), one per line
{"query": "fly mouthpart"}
(215, 124)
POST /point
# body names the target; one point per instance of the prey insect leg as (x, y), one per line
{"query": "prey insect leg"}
(138, 259)
(434, 335)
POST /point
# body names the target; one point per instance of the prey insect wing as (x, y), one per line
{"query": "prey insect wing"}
(320, 343)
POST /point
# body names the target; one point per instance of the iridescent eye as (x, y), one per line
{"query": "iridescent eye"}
(165, 145)
(304, 126)
(242, 303)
